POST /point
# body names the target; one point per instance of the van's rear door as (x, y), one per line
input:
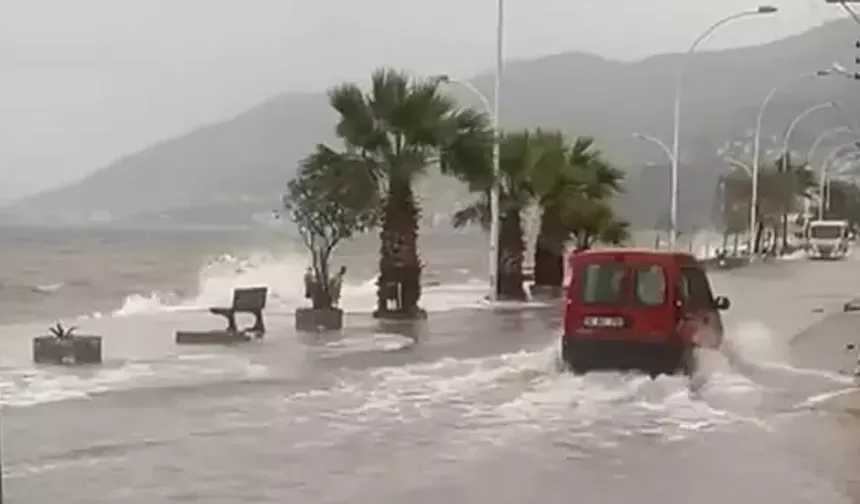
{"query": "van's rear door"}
(597, 297)
(651, 311)
(624, 296)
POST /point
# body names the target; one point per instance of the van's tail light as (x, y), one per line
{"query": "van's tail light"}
(594, 322)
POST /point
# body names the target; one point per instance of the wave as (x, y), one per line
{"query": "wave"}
(283, 275)
(47, 288)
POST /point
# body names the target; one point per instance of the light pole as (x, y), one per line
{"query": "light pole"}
(786, 140)
(656, 141)
(494, 110)
(826, 134)
(665, 148)
(485, 102)
(676, 129)
(494, 189)
(852, 155)
(737, 163)
(799, 117)
(823, 136)
(757, 147)
(822, 177)
(840, 69)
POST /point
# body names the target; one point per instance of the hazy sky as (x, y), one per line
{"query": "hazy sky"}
(85, 81)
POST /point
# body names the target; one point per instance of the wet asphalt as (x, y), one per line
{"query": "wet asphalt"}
(476, 411)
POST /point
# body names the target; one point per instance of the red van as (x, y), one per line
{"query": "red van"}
(639, 310)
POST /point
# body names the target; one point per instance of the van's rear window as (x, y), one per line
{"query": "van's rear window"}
(602, 283)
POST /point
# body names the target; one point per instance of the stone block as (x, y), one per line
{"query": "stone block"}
(313, 320)
(214, 337)
(546, 291)
(416, 314)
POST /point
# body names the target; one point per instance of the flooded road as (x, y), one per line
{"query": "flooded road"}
(475, 412)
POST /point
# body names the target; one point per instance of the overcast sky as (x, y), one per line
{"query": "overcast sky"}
(85, 81)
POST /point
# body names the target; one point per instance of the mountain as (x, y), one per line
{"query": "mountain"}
(249, 158)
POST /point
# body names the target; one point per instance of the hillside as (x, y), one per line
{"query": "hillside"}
(250, 157)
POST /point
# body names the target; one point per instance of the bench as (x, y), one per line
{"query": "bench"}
(251, 300)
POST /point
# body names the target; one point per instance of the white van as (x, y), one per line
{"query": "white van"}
(827, 239)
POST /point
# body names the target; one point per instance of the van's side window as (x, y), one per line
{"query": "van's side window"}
(696, 291)
(650, 285)
(602, 283)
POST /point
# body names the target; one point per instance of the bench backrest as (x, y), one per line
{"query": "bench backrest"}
(250, 298)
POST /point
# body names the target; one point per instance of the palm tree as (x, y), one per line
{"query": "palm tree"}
(584, 175)
(398, 128)
(591, 221)
(795, 182)
(781, 187)
(734, 200)
(844, 201)
(521, 156)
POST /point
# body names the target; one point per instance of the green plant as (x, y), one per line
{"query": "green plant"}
(331, 199)
(60, 332)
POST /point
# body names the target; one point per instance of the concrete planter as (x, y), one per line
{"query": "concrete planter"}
(546, 291)
(323, 319)
(214, 337)
(417, 314)
(70, 351)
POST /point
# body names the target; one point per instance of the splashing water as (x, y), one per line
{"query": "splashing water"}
(283, 274)
(502, 398)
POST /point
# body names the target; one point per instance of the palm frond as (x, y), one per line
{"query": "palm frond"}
(476, 213)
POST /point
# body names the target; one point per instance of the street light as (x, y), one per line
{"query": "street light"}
(757, 145)
(840, 69)
(662, 145)
(737, 163)
(656, 141)
(485, 102)
(822, 177)
(494, 188)
(785, 153)
(829, 178)
(810, 155)
(676, 130)
(823, 136)
(799, 117)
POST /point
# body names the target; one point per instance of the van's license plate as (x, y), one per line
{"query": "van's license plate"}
(597, 322)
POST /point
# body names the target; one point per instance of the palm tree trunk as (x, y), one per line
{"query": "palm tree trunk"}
(399, 282)
(549, 254)
(511, 254)
(759, 234)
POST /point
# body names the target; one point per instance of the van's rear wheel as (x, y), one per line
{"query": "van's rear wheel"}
(689, 360)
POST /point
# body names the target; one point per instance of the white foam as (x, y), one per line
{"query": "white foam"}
(29, 387)
(386, 342)
(48, 288)
(825, 397)
(498, 399)
(282, 274)
(755, 343)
